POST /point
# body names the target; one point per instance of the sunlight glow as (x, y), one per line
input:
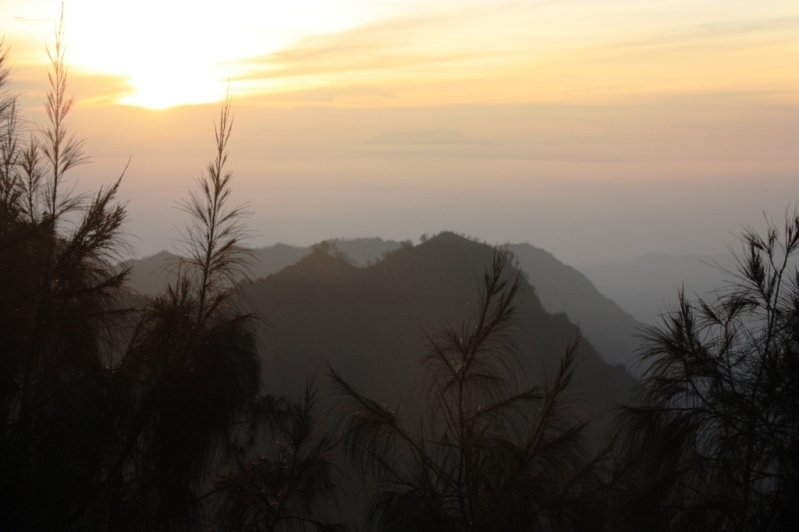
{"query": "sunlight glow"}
(184, 52)
(181, 52)
(164, 53)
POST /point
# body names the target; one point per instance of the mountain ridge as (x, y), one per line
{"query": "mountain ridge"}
(560, 287)
(372, 323)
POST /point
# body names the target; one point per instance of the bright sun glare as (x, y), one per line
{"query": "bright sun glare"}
(179, 52)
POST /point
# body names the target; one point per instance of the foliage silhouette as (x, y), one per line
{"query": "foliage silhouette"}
(192, 365)
(212, 240)
(59, 403)
(712, 443)
(111, 418)
(123, 413)
(494, 454)
(284, 485)
(62, 151)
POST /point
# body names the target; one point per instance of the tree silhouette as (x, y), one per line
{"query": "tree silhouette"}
(110, 418)
(192, 365)
(284, 472)
(713, 442)
(494, 453)
(62, 151)
(58, 401)
(214, 257)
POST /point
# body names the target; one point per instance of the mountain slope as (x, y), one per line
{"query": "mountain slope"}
(647, 287)
(559, 287)
(562, 288)
(150, 275)
(370, 323)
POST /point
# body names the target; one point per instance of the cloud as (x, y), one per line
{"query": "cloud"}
(427, 45)
(489, 54)
(764, 30)
(426, 137)
(30, 83)
(348, 61)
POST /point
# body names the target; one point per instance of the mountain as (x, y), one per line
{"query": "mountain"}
(363, 251)
(150, 275)
(370, 323)
(647, 287)
(561, 288)
(269, 260)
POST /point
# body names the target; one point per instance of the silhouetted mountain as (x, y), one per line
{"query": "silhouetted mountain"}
(317, 308)
(561, 288)
(269, 260)
(370, 323)
(362, 251)
(151, 275)
(647, 287)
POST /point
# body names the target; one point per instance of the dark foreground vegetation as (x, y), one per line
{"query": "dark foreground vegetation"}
(124, 412)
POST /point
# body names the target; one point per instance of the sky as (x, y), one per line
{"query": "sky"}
(594, 129)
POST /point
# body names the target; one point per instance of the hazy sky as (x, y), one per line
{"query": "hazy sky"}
(591, 128)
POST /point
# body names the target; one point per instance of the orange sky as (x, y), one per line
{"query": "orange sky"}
(578, 125)
(160, 54)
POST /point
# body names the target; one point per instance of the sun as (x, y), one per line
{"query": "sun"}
(168, 53)
(159, 54)
(178, 52)
(169, 76)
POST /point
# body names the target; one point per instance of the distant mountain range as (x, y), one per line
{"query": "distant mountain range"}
(647, 287)
(150, 275)
(560, 288)
(370, 323)
(609, 301)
